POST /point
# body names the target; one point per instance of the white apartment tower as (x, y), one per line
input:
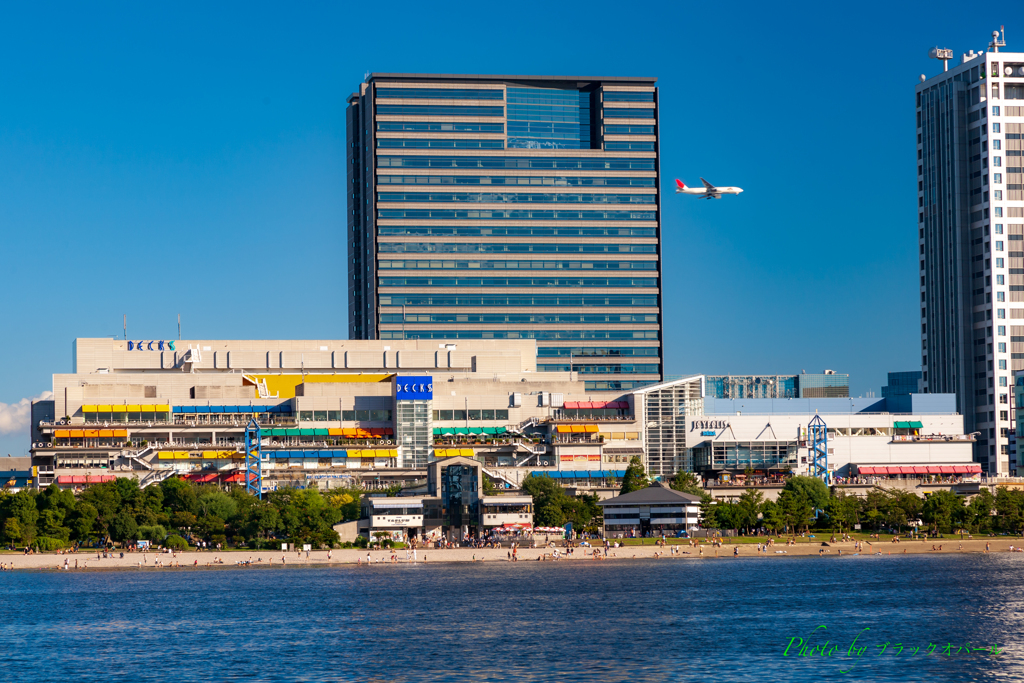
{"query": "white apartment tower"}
(971, 240)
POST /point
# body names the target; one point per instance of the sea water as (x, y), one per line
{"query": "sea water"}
(878, 618)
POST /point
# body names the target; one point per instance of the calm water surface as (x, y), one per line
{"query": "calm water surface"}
(657, 620)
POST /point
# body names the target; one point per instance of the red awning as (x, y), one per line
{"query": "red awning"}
(946, 470)
(517, 525)
(921, 469)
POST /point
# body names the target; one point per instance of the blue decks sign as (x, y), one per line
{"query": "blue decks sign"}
(414, 388)
(150, 345)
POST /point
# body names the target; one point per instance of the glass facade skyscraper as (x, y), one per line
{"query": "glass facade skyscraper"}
(510, 207)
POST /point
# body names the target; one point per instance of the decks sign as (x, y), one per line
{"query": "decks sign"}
(414, 388)
(150, 345)
(708, 425)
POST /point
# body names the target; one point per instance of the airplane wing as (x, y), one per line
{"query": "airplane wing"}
(709, 186)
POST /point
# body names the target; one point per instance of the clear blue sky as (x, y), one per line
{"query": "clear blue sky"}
(189, 158)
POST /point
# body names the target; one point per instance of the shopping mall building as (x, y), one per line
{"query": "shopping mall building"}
(378, 413)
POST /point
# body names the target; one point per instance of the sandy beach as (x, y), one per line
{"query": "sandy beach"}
(85, 560)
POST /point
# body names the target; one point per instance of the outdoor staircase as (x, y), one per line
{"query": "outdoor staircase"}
(155, 477)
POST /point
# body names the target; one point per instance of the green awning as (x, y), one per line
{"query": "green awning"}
(474, 430)
(447, 431)
(915, 425)
(321, 432)
(293, 432)
(489, 430)
(903, 425)
(500, 430)
(307, 432)
(437, 431)
(461, 430)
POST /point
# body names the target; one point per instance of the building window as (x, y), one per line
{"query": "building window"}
(995, 91)
(1002, 347)
(1000, 280)
(1004, 415)
(997, 178)
(999, 245)
(1000, 296)
(1003, 398)
(995, 126)
(997, 161)
(1002, 363)
(999, 228)
(1002, 381)
(999, 263)
(997, 144)
(1001, 330)
(1001, 313)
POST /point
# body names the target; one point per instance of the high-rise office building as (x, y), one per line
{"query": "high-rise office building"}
(510, 207)
(971, 237)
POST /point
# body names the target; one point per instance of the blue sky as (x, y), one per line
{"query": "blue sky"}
(189, 158)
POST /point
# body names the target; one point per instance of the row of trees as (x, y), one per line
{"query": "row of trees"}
(174, 513)
(806, 502)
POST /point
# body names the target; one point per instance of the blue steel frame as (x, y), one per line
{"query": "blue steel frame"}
(253, 459)
(817, 442)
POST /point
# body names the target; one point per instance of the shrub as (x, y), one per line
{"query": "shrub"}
(176, 543)
(155, 533)
(46, 544)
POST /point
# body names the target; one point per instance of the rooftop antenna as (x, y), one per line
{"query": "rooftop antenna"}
(126, 327)
(997, 41)
(179, 327)
(942, 54)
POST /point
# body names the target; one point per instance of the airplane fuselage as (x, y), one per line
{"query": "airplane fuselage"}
(704, 192)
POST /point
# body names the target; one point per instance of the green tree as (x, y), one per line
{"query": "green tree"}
(796, 507)
(748, 508)
(842, 510)
(179, 495)
(83, 523)
(687, 482)
(941, 510)
(1010, 508)
(635, 477)
(813, 488)
(216, 503)
(980, 511)
(123, 528)
(772, 516)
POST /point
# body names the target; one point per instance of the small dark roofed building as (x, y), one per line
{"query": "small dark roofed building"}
(652, 511)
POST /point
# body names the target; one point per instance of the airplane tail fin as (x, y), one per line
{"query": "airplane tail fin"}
(680, 184)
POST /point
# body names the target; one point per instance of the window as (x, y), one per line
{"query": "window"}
(997, 161)
(1002, 347)
(619, 96)
(1000, 280)
(1004, 415)
(1003, 398)
(1001, 330)
(305, 415)
(997, 178)
(1001, 313)
(995, 126)
(999, 212)
(999, 228)
(999, 245)
(997, 144)
(437, 110)
(999, 263)
(1002, 363)
(441, 93)
(1000, 296)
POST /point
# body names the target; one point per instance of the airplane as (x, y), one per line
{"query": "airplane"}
(709, 191)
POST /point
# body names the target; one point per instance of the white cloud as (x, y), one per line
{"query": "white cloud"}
(14, 417)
